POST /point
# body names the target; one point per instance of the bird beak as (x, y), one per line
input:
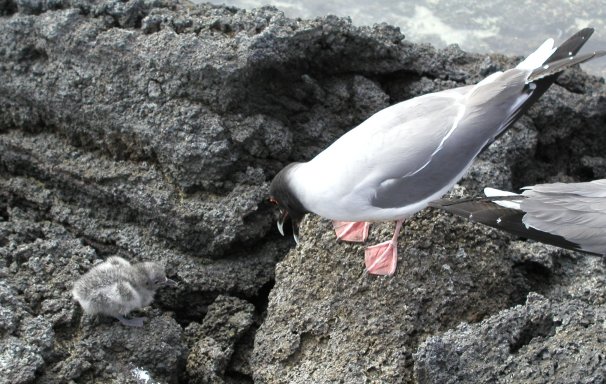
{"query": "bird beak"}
(295, 225)
(170, 283)
(283, 216)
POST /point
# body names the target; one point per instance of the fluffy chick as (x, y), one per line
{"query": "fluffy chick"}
(115, 287)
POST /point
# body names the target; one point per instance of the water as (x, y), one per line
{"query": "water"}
(508, 27)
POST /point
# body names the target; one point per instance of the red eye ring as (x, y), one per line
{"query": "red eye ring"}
(273, 201)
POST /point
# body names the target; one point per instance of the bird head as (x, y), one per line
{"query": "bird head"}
(282, 195)
(156, 277)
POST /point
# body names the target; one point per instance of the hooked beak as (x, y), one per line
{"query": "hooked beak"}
(170, 283)
(283, 215)
(295, 225)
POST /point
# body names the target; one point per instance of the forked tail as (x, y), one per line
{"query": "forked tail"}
(546, 64)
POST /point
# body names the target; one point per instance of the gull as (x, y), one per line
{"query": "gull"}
(567, 215)
(403, 157)
(115, 287)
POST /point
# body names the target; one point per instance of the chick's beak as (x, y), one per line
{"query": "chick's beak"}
(170, 283)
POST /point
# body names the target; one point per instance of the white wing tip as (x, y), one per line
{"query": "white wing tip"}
(493, 192)
(538, 57)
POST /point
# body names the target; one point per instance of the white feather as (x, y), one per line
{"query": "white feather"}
(493, 192)
(538, 57)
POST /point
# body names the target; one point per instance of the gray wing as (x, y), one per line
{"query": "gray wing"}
(488, 111)
(595, 188)
(575, 211)
(395, 142)
(115, 299)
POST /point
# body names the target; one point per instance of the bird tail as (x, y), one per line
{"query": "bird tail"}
(546, 63)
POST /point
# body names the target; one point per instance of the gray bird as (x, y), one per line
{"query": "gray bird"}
(571, 216)
(115, 287)
(411, 153)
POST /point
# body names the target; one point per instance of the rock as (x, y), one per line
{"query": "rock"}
(539, 342)
(212, 342)
(18, 361)
(596, 165)
(123, 353)
(328, 321)
(25, 340)
(151, 129)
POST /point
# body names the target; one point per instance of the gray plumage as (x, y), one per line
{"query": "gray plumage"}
(569, 215)
(407, 155)
(411, 153)
(116, 287)
(575, 211)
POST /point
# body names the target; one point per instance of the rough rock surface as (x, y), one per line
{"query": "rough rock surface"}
(541, 341)
(212, 343)
(150, 129)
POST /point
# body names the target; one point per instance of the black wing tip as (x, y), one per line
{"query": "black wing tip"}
(560, 65)
(571, 46)
(483, 210)
(585, 32)
(486, 211)
(442, 203)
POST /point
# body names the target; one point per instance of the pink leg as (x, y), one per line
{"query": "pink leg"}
(354, 231)
(382, 259)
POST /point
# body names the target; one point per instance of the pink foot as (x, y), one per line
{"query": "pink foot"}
(354, 231)
(382, 259)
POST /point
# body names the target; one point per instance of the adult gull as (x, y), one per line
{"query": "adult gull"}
(405, 156)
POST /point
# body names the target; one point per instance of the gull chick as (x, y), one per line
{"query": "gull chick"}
(115, 287)
(411, 153)
(567, 215)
